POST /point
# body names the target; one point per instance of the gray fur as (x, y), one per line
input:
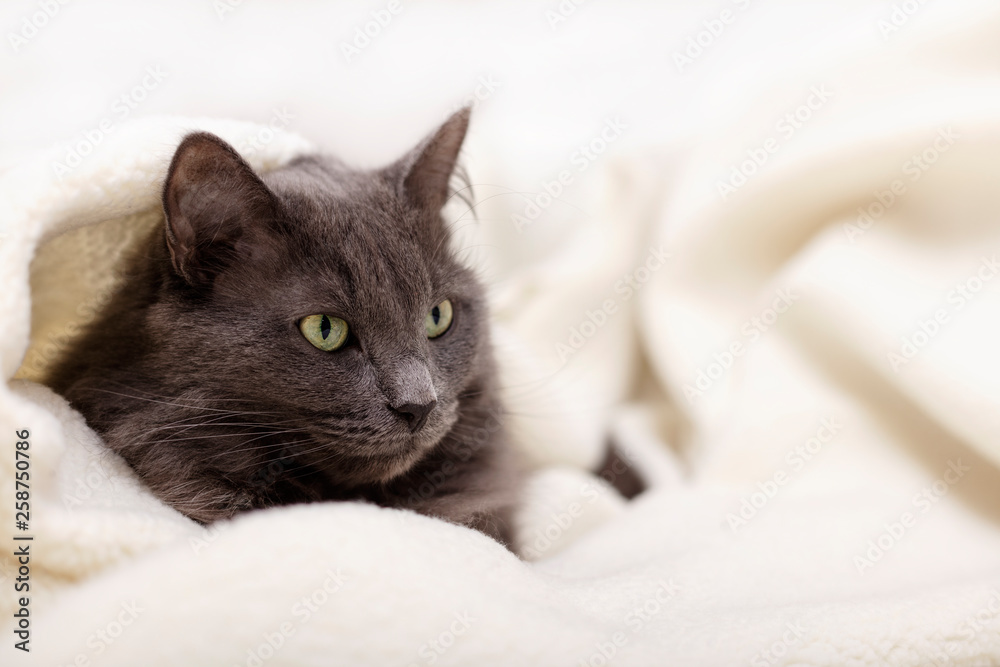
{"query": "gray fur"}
(198, 376)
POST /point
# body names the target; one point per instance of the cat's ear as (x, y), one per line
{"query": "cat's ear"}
(423, 174)
(214, 204)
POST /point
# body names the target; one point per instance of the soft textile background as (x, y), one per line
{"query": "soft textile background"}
(766, 266)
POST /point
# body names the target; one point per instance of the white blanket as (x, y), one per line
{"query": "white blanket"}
(810, 385)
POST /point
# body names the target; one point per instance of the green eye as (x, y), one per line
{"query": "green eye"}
(324, 332)
(439, 319)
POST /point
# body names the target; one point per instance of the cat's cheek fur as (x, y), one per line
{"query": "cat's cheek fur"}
(196, 375)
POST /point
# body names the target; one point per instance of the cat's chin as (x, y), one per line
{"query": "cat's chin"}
(380, 468)
(401, 466)
(393, 456)
(418, 445)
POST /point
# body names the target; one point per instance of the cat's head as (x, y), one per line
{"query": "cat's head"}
(327, 297)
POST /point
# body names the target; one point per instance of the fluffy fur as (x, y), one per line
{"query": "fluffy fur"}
(198, 375)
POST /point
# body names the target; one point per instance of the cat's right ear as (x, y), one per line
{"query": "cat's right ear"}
(215, 205)
(423, 174)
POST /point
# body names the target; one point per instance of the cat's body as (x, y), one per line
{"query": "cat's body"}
(200, 374)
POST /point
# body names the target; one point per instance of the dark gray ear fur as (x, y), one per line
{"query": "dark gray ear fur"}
(422, 175)
(213, 202)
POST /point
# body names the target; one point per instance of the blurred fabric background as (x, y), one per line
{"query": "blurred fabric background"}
(751, 242)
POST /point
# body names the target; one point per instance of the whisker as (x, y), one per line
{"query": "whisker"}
(179, 405)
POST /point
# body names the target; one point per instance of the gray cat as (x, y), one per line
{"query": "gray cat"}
(301, 336)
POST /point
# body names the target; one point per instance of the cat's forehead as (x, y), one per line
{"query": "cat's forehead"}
(354, 226)
(327, 202)
(316, 187)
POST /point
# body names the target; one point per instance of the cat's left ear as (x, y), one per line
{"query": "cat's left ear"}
(423, 174)
(216, 208)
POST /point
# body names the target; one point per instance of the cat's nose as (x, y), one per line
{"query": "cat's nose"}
(414, 414)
